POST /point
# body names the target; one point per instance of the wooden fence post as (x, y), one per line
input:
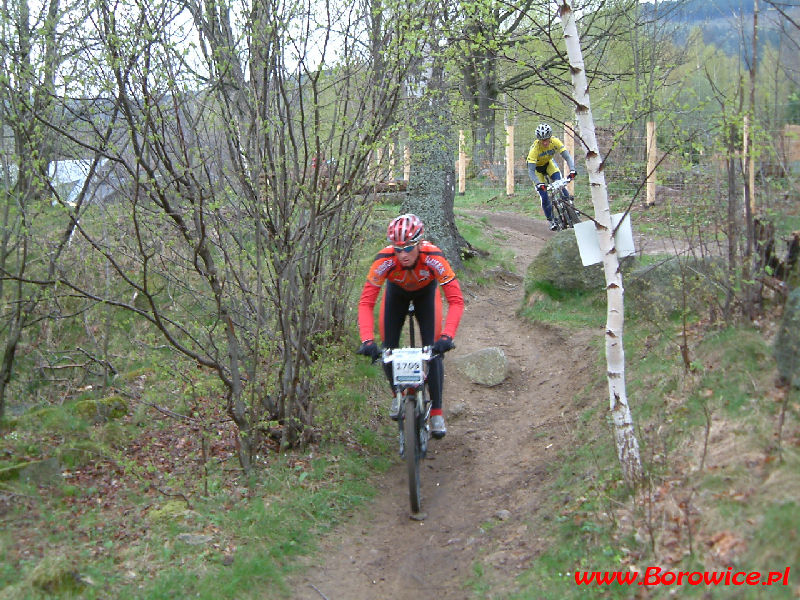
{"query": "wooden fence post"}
(509, 160)
(791, 146)
(652, 161)
(462, 164)
(569, 144)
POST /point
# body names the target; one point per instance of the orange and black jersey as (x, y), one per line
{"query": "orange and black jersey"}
(431, 266)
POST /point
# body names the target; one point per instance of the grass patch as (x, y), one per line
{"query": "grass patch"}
(494, 257)
(480, 194)
(741, 500)
(265, 532)
(569, 308)
(236, 542)
(147, 505)
(580, 550)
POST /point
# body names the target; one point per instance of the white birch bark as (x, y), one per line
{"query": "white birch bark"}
(625, 436)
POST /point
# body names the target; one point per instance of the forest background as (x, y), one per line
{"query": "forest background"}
(200, 266)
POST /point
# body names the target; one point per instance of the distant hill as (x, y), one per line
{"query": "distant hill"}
(723, 22)
(699, 11)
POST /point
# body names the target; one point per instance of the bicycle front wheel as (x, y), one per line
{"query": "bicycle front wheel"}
(572, 214)
(560, 215)
(412, 452)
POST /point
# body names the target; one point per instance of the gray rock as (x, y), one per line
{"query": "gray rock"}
(457, 409)
(194, 539)
(488, 366)
(45, 472)
(558, 267)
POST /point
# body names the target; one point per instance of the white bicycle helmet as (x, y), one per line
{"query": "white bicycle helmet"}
(543, 131)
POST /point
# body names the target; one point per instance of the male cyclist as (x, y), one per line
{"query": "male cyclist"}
(541, 165)
(412, 269)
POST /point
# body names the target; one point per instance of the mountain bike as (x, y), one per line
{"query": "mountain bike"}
(409, 375)
(565, 214)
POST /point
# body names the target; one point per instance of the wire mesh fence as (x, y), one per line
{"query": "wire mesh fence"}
(697, 192)
(646, 168)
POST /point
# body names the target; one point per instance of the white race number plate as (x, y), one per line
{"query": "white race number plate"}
(407, 364)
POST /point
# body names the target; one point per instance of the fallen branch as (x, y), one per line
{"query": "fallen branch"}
(176, 495)
(775, 284)
(312, 586)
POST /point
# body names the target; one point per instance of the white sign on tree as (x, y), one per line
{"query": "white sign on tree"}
(589, 245)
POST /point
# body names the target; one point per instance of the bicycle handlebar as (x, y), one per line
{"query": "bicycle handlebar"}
(558, 184)
(427, 354)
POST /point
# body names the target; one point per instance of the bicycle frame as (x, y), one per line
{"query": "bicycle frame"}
(567, 214)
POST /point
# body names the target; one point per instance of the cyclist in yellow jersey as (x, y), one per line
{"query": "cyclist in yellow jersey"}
(541, 166)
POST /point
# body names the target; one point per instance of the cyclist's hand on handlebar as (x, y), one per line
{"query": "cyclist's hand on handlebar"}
(369, 348)
(542, 187)
(443, 344)
(572, 175)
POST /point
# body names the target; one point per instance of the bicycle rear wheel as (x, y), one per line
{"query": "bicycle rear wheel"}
(412, 452)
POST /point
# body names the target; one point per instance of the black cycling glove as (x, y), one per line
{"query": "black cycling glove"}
(443, 344)
(369, 348)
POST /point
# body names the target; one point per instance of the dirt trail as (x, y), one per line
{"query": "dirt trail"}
(499, 444)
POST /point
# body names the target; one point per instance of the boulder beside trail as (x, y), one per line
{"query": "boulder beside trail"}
(559, 266)
(488, 366)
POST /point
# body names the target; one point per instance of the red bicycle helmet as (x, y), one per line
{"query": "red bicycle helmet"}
(405, 229)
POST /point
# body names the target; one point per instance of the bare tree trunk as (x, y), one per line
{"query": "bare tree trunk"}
(480, 90)
(487, 33)
(751, 294)
(733, 216)
(9, 354)
(29, 96)
(627, 444)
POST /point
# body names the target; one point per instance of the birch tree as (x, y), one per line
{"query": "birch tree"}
(625, 436)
